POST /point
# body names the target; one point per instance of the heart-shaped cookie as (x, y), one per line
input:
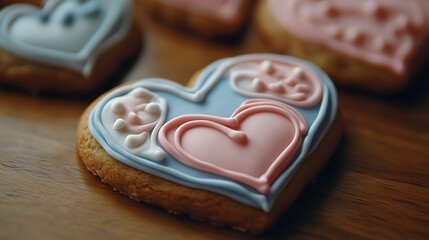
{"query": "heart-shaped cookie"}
(221, 112)
(383, 32)
(374, 44)
(70, 34)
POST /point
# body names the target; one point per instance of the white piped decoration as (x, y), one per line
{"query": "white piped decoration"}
(140, 93)
(119, 124)
(158, 155)
(267, 66)
(258, 85)
(297, 72)
(118, 107)
(152, 108)
(133, 141)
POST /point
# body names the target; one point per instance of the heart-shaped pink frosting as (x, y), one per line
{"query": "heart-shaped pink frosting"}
(252, 147)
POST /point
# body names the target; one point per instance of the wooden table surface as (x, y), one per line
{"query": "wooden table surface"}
(375, 187)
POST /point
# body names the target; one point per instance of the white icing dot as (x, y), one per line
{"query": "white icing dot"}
(119, 124)
(297, 72)
(133, 141)
(267, 66)
(158, 155)
(118, 107)
(152, 108)
(277, 87)
(258, 85)
(139, 93)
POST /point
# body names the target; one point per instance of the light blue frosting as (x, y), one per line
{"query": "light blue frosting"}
(64, 33)
(220, 100)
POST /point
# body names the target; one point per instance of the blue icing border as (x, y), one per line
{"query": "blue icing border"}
(115, 23)
(319, 120)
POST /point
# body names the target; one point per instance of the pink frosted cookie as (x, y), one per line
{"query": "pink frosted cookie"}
(375, 44)
(213, 18)
(65, 47)
(236, 149)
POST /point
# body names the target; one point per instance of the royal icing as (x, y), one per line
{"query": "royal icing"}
(214, 136)
(277, 80)
(251, 147)
(131, 119)
(383, 32)
(225, 10)
(65, 33)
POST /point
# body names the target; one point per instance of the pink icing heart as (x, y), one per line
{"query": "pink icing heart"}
(253, 146)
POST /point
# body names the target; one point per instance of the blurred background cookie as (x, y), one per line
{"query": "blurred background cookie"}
(213, 18)
(373, 44)
(65, 47)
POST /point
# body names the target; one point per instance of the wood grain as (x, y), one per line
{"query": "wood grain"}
(375, 187)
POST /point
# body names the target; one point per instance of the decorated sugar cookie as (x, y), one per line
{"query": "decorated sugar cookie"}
(374, 44)
(214, 18)
(236, 149)
(68, 46)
